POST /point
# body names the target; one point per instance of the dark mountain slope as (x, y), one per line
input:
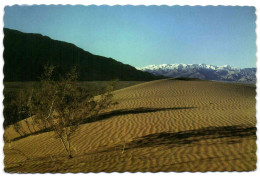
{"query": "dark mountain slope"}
(25, 55)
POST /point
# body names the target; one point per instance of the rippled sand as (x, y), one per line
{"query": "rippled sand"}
(164, 125)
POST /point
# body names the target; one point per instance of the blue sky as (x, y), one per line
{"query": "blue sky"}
(144, 35)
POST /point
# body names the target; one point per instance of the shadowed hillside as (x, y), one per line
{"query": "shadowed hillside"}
(25, 55)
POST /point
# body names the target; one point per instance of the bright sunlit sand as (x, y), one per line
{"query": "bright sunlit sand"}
(163, 125)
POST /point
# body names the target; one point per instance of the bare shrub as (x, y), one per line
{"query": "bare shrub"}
(61, 105)
(18, 128)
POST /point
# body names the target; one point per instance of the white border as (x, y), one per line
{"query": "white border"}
(132, 2)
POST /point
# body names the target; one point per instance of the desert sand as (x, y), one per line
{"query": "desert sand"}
(164, 125)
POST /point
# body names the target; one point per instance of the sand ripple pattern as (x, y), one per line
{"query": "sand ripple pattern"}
(157, 112)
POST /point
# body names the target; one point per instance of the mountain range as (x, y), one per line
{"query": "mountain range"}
(203, 71)
(25, 55)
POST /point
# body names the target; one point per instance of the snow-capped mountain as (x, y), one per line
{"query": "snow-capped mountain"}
(203, 71)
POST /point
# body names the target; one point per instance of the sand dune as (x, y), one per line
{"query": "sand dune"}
(163, 125)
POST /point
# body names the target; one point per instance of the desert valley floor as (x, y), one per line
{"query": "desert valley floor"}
(163, 125)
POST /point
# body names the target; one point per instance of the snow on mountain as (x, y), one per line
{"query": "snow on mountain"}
(204, 71)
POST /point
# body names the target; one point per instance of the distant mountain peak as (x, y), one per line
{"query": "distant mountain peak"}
(204, 71)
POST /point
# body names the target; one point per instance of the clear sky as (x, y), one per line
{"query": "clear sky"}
(145, 35)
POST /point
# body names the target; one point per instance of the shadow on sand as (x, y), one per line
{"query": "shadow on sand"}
(232, 134)
(121, 112)
(108, 115)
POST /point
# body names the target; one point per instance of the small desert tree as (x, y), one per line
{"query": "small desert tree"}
(61, 106)
(20, 111)
(24, 108)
